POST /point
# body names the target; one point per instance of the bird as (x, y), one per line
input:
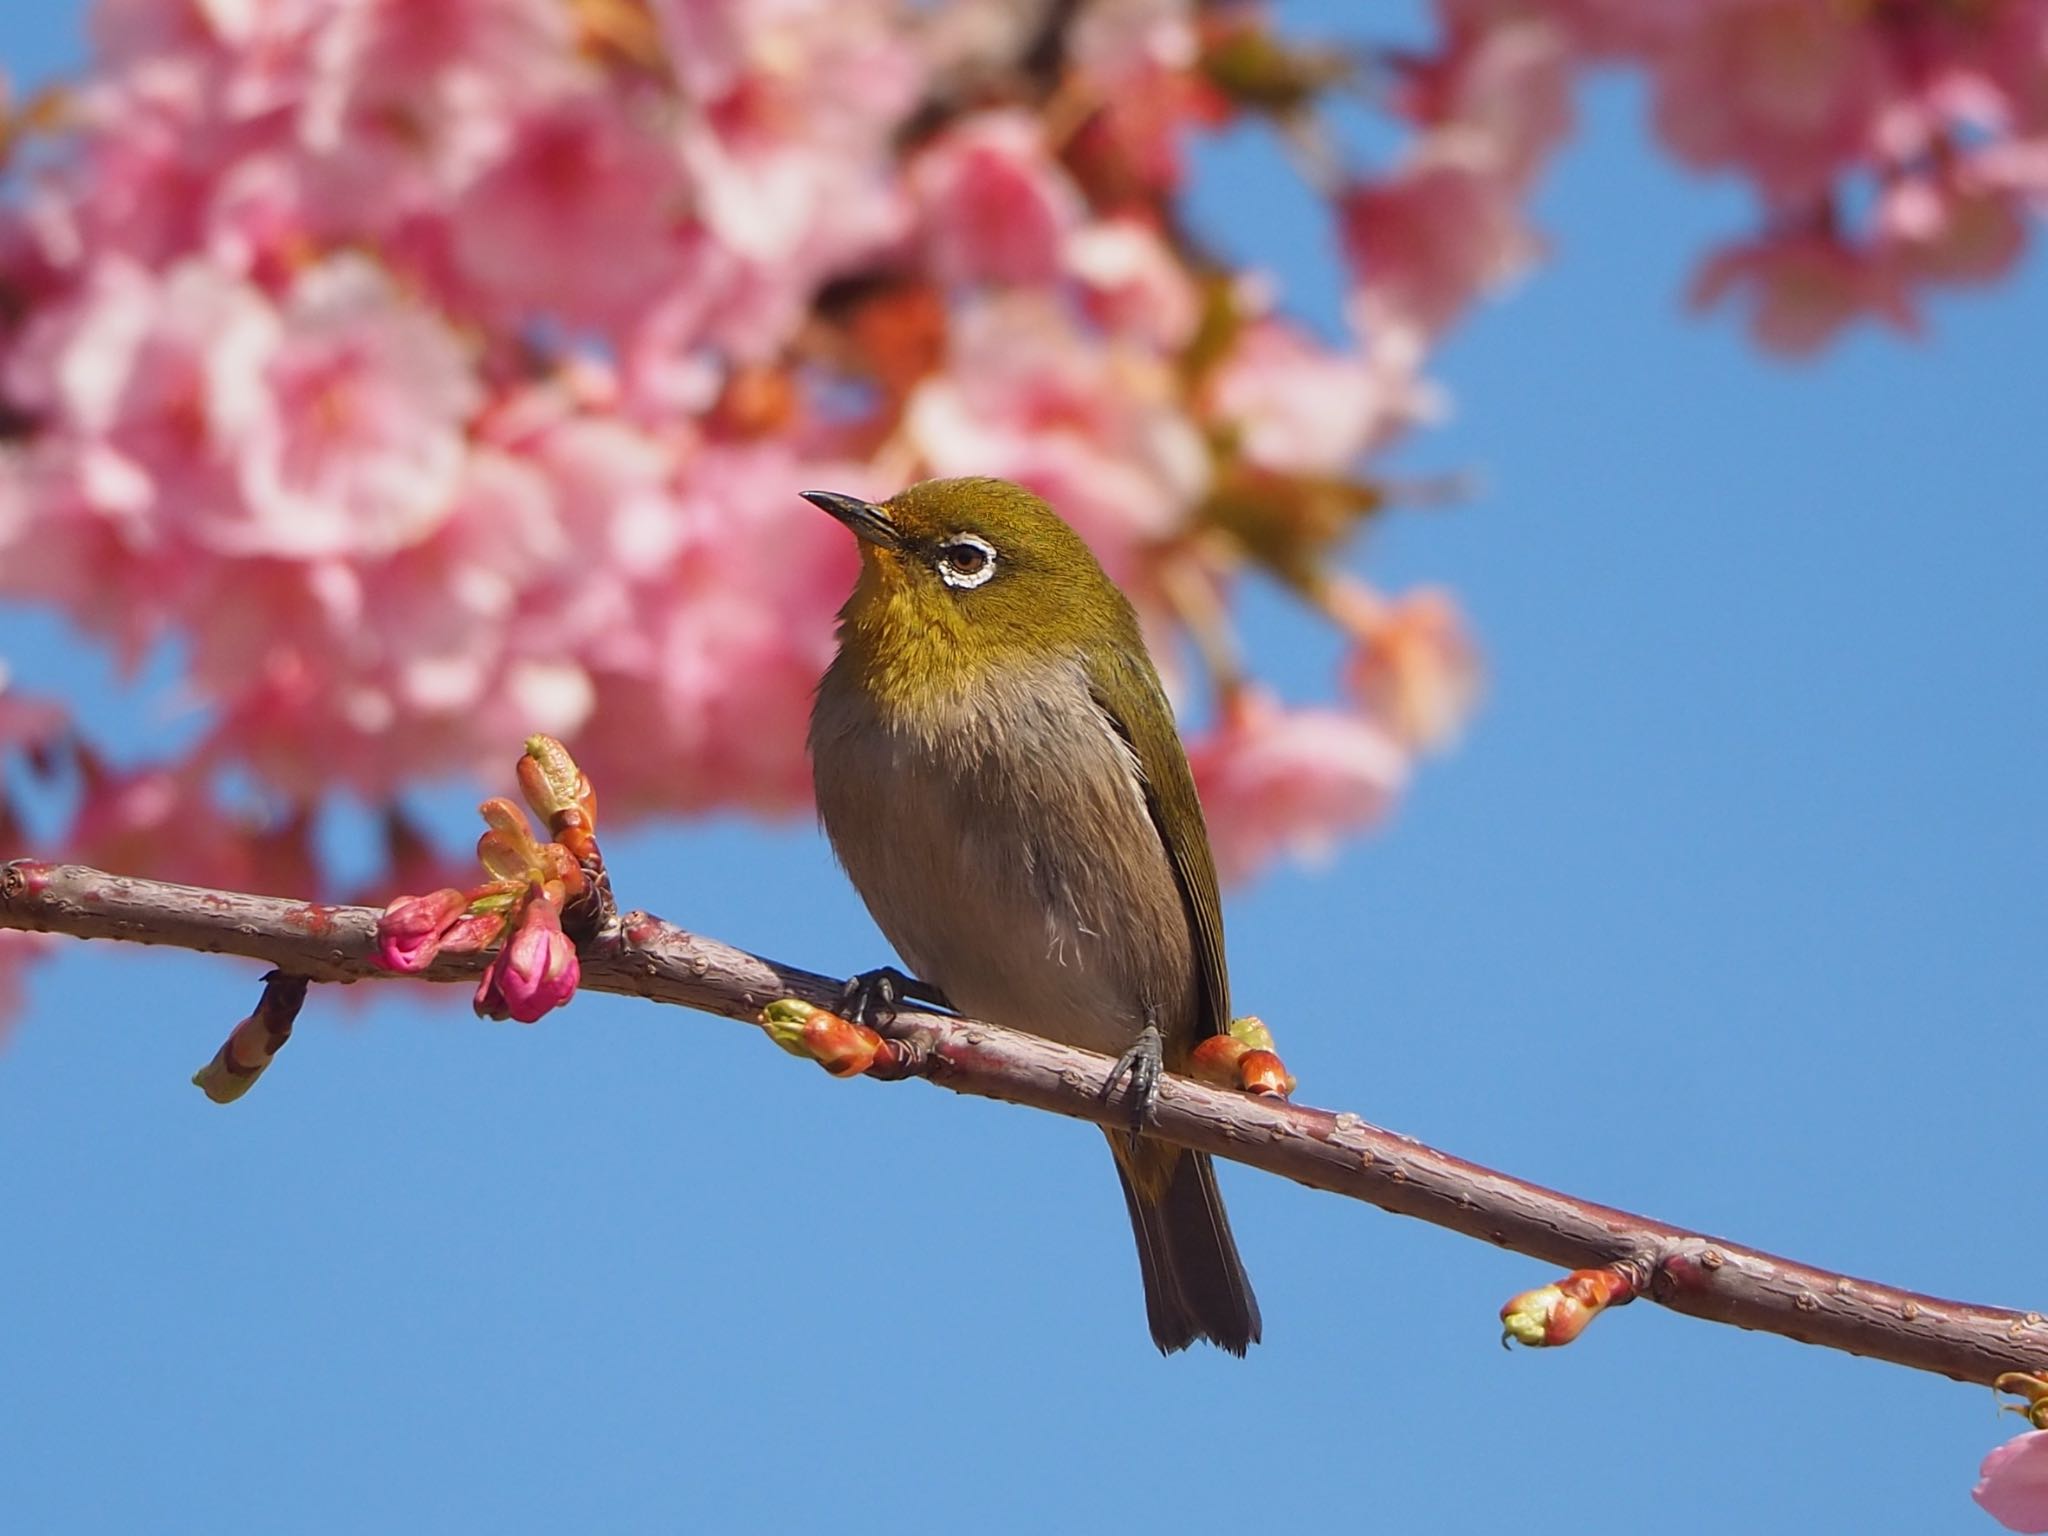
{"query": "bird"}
(997, 769)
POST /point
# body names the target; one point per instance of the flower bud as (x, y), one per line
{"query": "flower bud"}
(841, 1047)
(508, 849)
(1215, 1061)
(1251, 1031)
(414, 929)
(554, 786)
(535, 971)
(1261, 1073)
(471, 932)
(1559, 1312)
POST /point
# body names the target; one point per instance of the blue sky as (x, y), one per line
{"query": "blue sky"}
(1729, 910)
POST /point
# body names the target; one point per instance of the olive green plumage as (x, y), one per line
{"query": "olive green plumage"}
(997, 767)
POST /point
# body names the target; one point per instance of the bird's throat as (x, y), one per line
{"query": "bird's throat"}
(912, 657)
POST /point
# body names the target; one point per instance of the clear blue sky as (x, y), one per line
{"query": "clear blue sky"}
(1730, 910)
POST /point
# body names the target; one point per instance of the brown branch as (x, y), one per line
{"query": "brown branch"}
(1685, 1271)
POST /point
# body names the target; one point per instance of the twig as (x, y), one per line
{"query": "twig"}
(1701, 1276)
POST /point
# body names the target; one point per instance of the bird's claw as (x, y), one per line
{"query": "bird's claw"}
(1143, 1064)
(872, 997)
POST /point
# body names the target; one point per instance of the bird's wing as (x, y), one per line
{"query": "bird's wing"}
(1143, 718)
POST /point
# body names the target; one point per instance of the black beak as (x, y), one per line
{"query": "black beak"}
(868, 521)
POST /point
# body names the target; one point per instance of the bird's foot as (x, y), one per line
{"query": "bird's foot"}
(872, 996)
(1242, 1059)
(1143, 1064)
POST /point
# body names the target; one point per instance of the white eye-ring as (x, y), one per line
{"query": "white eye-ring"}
(966, 560)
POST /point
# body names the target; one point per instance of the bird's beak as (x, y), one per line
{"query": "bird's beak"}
(868, 521)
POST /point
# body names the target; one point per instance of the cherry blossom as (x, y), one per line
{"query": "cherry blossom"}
(2013, 1483)
(1276, 781)
(994, 204)
(432, 372)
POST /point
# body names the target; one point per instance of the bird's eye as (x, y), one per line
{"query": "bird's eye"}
(966, 560)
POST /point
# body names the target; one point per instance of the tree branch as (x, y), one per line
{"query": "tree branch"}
(1700, 1276)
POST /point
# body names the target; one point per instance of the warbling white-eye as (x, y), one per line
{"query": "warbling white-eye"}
(997, 768)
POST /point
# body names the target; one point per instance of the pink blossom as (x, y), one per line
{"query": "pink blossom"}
(368, 671)
(18, 952)
(993, 204)
(152, 380)
(164, 821)
(1094, 425)
(410, 930)
(403, 104)
(2013, 1483)
(1137, 58)
(1503, 91)
(534, 971)
(1786, 90)
(581, 219)
(1428, 240)
(199, 411)
(1117, 42)
(471, 932)
(443, 72)
(1290, 781)
(703, 694)
(28, 723)
(356, 445)
(793, 102)
(59, 542)
(1801, 286)
(1298, 407)
(1131, 283)
(151, 146)
(1416, 667)
(1957, 228)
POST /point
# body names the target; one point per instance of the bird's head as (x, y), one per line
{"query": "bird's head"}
(961, 576)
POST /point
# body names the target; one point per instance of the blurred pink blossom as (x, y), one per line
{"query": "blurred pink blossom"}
(437, 371)
(580, 219)
(1786, 90)
(792, 104)
(1429, 239)
(994, 205)
(704, 689)
(1416, 667)
(2013, 1483)
(18, 953)
(29, 723)
(1136, 60)
(1299, 407)
(355, 444)
(1294, 782)
(1090, 423)
(1503, 91)
(1131, 283)
(1801, 286)
(1956, 228)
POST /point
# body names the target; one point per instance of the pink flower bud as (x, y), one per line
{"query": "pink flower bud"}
(473, 931)
(412, 929)
(535, 971)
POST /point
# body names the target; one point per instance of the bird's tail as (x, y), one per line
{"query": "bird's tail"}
(1195, 1284)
